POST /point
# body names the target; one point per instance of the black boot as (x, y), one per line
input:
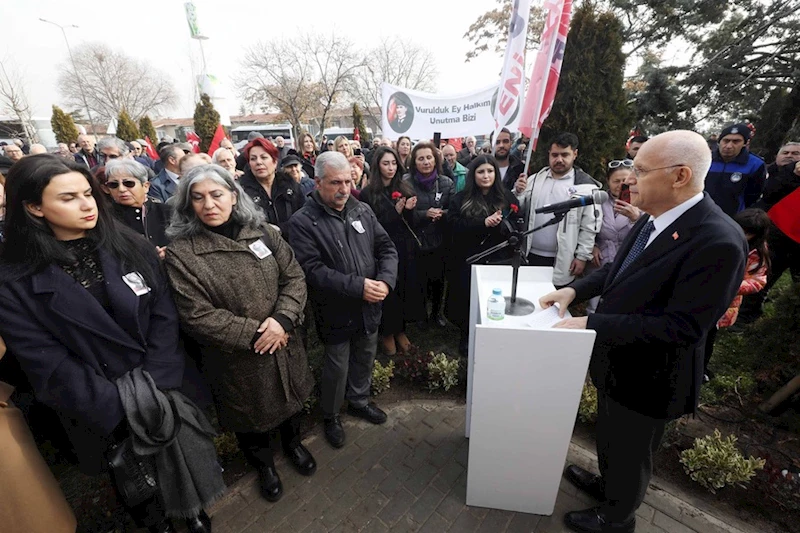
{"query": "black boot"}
(259, 454)
(199, 524)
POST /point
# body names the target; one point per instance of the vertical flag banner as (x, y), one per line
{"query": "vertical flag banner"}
(512, 81)
(219, 135)
(151, 151)
(193, 139)
(546, 69)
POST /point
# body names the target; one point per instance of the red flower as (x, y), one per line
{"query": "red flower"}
(514, 208)
(396, 195)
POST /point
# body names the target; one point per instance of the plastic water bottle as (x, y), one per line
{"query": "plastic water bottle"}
(496, 308)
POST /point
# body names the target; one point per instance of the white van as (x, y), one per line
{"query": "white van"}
(286, 131)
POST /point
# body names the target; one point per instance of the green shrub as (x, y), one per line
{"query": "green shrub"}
(226, 444)
(442, 372)
(381, 376)
(587, 408)
(726, 386)
(715, 462)
(310, 403)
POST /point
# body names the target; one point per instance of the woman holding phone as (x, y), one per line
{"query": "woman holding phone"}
(619, 216)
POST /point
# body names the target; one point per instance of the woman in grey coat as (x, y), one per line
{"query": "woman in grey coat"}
(240, 294)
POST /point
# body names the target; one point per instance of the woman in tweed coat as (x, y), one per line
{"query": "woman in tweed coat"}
(240, 294)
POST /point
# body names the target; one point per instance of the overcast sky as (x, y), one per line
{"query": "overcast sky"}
(156, 30)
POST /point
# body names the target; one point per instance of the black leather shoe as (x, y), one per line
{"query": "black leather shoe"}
(369, 412)
(302, 459)
(199, 524)
(271, 486)
(334, 432)
(589, 483)
(162, 527)
(594, 521)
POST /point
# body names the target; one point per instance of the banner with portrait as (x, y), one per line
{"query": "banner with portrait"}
(419, 115)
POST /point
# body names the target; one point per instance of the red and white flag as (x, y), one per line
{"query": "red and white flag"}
(193, 139)
(546, 69)
(151, 151)
(512, 82)
(219, 134)
(784, 214)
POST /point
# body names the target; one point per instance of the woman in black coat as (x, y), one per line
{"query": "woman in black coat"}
(476, 217)
(393, 202)
(83, 301)
(433, 190)
(126, 182)
(276, 193)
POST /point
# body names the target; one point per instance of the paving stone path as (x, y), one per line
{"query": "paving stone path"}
(410, 475)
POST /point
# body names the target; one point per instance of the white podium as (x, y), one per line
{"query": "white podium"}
(523, 389)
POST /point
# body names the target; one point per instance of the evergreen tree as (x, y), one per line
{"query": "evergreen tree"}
(358, 122)
(206, 120)
(147, 130)
(126, 127)
(769, 135)
(63, 126)
(590, 101)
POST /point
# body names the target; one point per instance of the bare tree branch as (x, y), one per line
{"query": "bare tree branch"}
(14, 98)
(114, 82)
(397, 62)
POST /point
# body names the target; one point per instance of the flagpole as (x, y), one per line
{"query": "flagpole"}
(545, 79)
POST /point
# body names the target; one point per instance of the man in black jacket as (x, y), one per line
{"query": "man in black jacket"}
(673, 278)
(350, 264)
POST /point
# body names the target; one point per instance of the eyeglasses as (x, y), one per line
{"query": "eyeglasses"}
(638, 172)
(620, 162)
(129, 184)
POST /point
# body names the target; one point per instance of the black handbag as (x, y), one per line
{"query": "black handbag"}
(134, 475)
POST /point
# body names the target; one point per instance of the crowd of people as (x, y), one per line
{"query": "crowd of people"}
(205, 273)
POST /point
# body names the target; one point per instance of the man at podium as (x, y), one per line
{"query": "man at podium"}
(672, 280)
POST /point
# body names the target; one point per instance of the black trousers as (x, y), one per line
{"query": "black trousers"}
(540, 260)
(431, 276)
(626, 443)
(712, 336)
(256, 445)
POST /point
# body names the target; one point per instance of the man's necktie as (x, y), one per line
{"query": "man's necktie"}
(638, 246)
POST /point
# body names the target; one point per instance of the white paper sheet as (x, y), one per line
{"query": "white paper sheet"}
(545, 319)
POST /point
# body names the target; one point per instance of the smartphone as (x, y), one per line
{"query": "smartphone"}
(437, 138)
(357, 151)
(625, 194)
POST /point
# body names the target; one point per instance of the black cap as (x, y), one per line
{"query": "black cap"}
(291, 160)
(736, 129)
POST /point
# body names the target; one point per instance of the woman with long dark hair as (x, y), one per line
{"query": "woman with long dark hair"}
(393, 202)
(433, 190)
(476, 216)
(404, 150)
(83, 304)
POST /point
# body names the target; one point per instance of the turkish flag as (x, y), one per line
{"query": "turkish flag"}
(356, 135)
(785, 215)
(151, 152)
(219, 134)
(193, 139)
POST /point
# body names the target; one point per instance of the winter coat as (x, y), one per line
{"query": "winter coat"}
(224, 292)
(755, 278)
(337, 251)
(287, 197)
(431, 234)
(613, 231)
(578, 229)
(152, 226)
(737, 184)
(72, 350)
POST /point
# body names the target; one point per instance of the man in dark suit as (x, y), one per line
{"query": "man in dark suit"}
(163, 186)
(674, 277)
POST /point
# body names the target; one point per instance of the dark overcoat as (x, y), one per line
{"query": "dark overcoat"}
(223, 293)
(653, 319)
(72, 351)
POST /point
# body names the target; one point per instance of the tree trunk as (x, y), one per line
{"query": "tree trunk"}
(781, 395)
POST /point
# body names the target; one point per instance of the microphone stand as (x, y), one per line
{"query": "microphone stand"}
(517, 306)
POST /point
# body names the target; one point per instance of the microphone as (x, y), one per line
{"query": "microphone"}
(597, 197)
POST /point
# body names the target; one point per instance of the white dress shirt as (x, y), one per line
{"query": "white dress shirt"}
(666, 218)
